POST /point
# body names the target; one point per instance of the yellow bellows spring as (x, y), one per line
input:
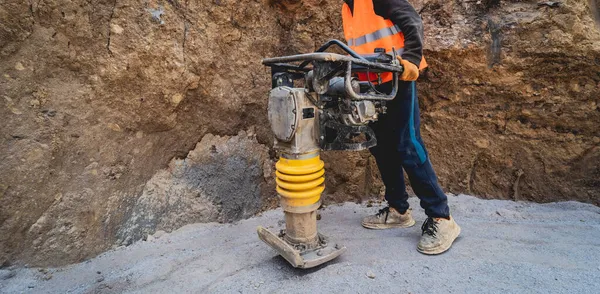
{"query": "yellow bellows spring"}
(300, 182)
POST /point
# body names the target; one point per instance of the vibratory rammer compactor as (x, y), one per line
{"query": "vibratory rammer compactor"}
(330, 112)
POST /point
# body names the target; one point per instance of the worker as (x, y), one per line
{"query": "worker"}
(394, 24)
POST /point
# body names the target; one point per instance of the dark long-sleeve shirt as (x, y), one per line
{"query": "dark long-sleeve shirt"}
(404, 15)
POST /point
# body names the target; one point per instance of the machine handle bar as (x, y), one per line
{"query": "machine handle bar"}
(364, 65)
(329, 57)
(368, 96)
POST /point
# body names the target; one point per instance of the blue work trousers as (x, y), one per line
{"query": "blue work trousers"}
(399, 145)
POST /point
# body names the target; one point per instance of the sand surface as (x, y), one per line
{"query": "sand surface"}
(505, 246)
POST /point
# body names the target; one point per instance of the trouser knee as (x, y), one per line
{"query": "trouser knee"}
(409, 158)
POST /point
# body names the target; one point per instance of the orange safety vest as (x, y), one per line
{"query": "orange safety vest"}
(364, 31)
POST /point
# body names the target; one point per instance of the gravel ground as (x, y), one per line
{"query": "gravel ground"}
(505, 246)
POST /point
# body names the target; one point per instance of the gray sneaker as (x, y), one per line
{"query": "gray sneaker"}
(388, 218)
(438, 235)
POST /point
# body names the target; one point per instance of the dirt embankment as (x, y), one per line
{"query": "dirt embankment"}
(102, 102)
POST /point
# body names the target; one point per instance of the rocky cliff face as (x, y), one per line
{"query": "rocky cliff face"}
(124, 117)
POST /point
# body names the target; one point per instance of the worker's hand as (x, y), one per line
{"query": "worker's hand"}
(411, 71)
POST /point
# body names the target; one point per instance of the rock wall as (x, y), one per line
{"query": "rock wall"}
(104, 102)
(526, 126)
(220, 180)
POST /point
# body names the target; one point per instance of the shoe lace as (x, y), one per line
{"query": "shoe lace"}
(385, 210)
(429, 227)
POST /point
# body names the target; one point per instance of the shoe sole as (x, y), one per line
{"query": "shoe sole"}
(441, 249)
(388, 226)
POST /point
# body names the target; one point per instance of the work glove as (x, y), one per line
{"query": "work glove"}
(411, 71)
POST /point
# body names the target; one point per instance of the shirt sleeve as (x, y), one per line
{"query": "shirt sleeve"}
(404, 15)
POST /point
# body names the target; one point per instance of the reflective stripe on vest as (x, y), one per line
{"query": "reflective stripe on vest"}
(374, 36)
(365, 31)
